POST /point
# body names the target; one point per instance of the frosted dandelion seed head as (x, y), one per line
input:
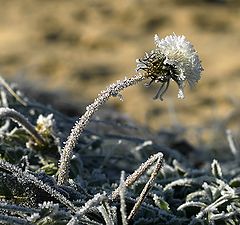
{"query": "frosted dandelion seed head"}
(173, 59)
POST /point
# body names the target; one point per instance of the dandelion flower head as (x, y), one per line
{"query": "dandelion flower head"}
(173, 59)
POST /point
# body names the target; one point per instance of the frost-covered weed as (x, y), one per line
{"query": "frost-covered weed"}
(173, 59)
(174, 192)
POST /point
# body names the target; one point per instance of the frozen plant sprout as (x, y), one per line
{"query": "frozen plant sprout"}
(173, 59)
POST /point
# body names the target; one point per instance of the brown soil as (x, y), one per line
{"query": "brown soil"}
(81, 46)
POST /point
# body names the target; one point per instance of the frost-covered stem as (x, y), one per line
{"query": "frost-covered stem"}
(137, 173)
(24, 176)
(67, 151)
(96, 200)
(20, 119)
(147, 187)
(122, 199)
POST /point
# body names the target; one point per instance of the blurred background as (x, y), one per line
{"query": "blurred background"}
(66, 52)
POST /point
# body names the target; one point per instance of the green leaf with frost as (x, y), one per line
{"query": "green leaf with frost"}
(161, 203)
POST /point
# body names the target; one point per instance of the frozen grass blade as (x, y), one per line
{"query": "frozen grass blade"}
(11, 91)
(20, 119)
(122, 199)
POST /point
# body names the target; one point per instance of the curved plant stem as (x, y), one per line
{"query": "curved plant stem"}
(19, 118)
(67, 151)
